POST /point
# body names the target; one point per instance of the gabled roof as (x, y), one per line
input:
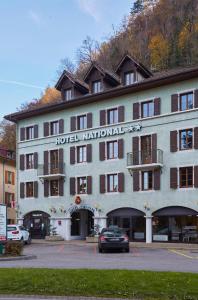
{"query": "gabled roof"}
(103, 71)
(140, 66)
(75, 81)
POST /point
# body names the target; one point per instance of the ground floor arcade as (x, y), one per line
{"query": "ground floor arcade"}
(169, 224)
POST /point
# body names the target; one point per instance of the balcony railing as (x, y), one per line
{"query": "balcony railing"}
(53, 171)
(145, 159)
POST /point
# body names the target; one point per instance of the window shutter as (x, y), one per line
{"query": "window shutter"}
(102, 151)
(46, 128)
(174, 102)
(196, 137)
(22, 162)
(73, 123)
(35, 131)
(154, 148)
(35, 189)
(136, 150)
(120, 148)
(196, 176)
(46, 188)
(173, 141)
(157, 175)
(61, 187)
(136, 111)
(61, 161)
(121, 182)
(102, 117)
(22, 134)
(89, 185)
(6, 177)
(72, 155)
(6, 198)
(89, 120)
(61, 126)
(121, 114)
(102, 184)
(22, 190)
(35, 160)
(89, 153)
(173, 178)
(196, 98)
(13, 178)
(72, 185)
(157, 102)
(136, 181)
(46, 163)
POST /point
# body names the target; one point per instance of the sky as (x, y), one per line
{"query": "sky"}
(37, 34)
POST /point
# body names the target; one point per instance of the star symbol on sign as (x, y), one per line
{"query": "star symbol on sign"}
(138, 127)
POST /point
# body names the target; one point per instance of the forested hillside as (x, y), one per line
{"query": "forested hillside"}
(161, 36)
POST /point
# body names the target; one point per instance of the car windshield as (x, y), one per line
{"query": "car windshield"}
(113, 232)
(11, 228)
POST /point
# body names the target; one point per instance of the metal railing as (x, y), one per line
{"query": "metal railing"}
(51, 169)
(145, 157)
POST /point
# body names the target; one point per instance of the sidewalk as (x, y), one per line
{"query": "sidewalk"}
(83, 243)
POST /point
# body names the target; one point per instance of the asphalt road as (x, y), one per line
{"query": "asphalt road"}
(86, 256)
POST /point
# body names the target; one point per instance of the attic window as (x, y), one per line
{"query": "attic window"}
(128, 78)
(68, 94)
(96, 87)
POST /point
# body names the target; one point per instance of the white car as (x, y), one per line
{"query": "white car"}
(18, 233)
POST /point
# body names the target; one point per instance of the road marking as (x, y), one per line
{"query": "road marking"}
(182, 254)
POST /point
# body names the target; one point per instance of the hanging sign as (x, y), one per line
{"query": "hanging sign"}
(3, 223)
(96, 134)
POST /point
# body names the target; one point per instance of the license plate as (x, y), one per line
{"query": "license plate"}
(115, 240)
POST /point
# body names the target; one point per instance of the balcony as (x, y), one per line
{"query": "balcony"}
(144, 160)
(51, 171)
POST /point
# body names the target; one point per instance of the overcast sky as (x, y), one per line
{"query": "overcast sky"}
(37, 34)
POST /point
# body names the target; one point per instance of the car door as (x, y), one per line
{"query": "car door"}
(24, 232)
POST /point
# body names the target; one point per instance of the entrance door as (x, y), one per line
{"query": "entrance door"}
(127, 226)
(37, 223)
(82, 224)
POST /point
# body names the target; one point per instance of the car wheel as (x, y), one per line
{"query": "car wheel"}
(127, 250)
(99, 250)
(22, 240)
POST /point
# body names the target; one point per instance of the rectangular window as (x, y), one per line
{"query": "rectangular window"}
(9, 198)
(54, 188)
(29, 189)
(186, 139)
(82, 185)
(30, 161)
(147, 109)
(146, 157)
(147, 180)
(112, 183)
(9, 178)
(112, 150)
(112, 116)
(82, 122)
(81, 154)
(54, 162)
(68, 94)
(186, 101)
(96, 87)
(129, 78)
(186, 177)
(54, 128)
(29, 133)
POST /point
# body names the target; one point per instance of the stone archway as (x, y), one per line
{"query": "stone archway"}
(38, 223)
(82, 223)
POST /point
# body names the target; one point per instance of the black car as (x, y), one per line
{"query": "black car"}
(113, 238)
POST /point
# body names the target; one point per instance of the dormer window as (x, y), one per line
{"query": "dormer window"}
(96, 87)
(68, 94)
(128, 78)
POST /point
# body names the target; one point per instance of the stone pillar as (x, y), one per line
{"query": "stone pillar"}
(68, 228)
(148, 229)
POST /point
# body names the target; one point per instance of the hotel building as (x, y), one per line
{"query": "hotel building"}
(121, 148)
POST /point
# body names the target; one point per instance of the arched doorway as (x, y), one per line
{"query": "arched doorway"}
(82, 223)
(175, 224)
(131, 220)
(38, 223)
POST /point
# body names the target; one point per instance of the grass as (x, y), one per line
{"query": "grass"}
(101, 283)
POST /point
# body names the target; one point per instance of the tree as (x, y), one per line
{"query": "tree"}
(8, 135)
(159, 52)
(137, 7)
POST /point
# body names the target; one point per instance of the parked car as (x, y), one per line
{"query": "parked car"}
(113, 238)
(18, 233)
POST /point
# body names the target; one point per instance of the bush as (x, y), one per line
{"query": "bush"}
(13, 248)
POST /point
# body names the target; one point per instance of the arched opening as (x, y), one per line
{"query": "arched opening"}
(38, 223)
(131, 220)
(175, 224)
(82, 223)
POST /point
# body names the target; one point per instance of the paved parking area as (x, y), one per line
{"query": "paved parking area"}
(84, 255)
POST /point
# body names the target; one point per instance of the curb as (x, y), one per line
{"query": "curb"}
(22, 257)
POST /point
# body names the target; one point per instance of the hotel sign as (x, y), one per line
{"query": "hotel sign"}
(3, 223)
(74, 208)
(97, 134)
